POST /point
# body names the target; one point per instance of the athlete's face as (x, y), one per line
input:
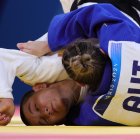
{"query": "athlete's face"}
(46, 107)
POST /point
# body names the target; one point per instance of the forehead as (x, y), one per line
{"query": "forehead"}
(50, 90)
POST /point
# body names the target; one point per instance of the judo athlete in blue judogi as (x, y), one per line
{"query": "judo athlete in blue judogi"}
(119, 37)
(117, 99)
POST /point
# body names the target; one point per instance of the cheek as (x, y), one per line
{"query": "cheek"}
(42, 99)
(57, 118)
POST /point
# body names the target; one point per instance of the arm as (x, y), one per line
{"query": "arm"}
(102, 21)
(82, 23)
(39, 47)
(7, 110)
(6, 99)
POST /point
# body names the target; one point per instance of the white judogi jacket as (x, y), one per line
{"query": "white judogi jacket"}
(66, 5)
(28, 68)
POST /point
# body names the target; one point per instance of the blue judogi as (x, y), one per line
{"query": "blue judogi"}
(130, 7)
(117, 101)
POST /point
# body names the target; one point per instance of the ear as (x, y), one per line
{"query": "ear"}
(39, 86)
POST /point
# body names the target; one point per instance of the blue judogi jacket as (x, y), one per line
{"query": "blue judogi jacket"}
(130, 7)
(117, 100)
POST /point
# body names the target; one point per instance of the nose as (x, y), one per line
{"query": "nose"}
(46, 112)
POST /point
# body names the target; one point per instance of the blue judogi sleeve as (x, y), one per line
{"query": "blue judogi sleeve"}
(102, 21)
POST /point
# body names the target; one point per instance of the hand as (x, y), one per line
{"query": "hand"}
(7, 110)
(38, 48)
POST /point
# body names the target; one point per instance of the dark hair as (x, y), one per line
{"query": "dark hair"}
(23, 101)
(130, 7)
(84, 62)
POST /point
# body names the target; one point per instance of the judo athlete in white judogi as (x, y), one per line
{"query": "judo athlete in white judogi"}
(28, 68)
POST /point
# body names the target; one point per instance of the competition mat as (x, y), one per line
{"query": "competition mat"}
(16, 130)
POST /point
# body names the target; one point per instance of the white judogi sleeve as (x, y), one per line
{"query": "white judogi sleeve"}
(44, 69)
(29, 69)
(66, 5)
(43, 38)
(11, 62)
(7, 76)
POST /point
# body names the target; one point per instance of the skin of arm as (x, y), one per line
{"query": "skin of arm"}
(41, 47)
(38, 48)
(7, 110)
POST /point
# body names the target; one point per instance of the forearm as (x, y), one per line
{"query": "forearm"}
(66, 5)
(6, 94)
(38, 47)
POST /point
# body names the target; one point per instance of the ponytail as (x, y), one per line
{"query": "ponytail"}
(85, 62)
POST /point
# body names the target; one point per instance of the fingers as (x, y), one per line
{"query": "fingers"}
(26, 50)
(4, 119)
(7, 109)
(6, 104)
(22, 45)
(37, 48)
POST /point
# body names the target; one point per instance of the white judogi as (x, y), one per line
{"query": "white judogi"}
(28, 68)
(66, 5)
